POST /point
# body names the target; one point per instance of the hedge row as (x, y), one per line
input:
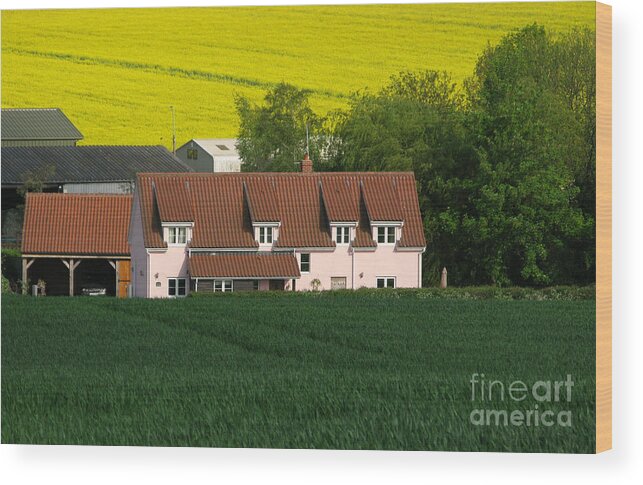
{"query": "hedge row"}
(554, 293)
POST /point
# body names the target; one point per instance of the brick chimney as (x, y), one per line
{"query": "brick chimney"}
(306, 164)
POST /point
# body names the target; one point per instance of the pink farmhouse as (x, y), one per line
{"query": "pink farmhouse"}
(208, 232)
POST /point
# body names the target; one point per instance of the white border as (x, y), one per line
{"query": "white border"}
(109, 465)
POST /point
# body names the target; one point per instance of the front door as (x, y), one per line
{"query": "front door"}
(124, 278)
(338, 283)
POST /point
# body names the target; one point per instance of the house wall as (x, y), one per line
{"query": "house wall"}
(361, 268)
(405, 266)
(171, 263)
(138, 252)
(203, 163)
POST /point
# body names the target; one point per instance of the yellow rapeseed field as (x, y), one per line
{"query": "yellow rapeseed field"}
(115, 72)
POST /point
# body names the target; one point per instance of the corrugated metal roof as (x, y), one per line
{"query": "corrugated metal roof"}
(77, 224)
(240, 265)
(222, 211)
(108, 163)
(38, 124)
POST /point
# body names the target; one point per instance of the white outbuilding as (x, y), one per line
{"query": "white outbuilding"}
(210, 155)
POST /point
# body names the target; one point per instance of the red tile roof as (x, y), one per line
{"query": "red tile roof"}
(382, 199)
(224, 205)
(341, 199)
(262, 195)
(173, 201)
(76, 224)
(240, 265)
(363, 232)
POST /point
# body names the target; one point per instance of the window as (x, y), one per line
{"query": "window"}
(386, 282)
(223, 148)
(342, 234)
(304, 267)
(265, 235)
(386, 234)
(178, 235)
(222, 285)
(176, 287)
(193, 154)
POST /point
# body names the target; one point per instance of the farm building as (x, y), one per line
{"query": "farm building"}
(38, 127)
(77, 243)
(279, 231)
(75, 169)
(211, 155)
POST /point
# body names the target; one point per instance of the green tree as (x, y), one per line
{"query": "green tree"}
(35, 180)
(529, 223)
(505, 163)
(272, 136)
(416, 123)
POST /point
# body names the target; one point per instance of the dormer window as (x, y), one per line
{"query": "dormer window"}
(386, 235)
(265, 235)
(343, 235)
(177, 235)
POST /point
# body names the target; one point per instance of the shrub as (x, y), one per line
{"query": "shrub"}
(6, 288)
(11, 265)
(557, 293)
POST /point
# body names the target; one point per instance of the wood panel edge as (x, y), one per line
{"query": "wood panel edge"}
(603, 227)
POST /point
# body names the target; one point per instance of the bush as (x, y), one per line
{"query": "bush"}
(11, 265)
(557, 293)
(6, 288)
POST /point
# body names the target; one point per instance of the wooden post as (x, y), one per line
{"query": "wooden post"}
(443, 279)
(26, 263)
(71, 265)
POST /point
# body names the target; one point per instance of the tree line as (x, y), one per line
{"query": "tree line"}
(505, 161)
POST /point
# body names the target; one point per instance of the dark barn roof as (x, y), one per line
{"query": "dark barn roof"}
(75, 164)
(38, 124)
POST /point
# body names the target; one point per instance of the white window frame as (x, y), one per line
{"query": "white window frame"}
(343, 234)
(177, 235)
(386, 280)
(266, 234)
(301, 263)
(176, 287)
(389, 232)
(224, 286)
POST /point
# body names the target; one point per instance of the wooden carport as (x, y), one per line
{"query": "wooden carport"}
(68, 269)
(75, 240)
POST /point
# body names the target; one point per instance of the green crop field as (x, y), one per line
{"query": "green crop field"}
(345, 370)
(116, 72)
